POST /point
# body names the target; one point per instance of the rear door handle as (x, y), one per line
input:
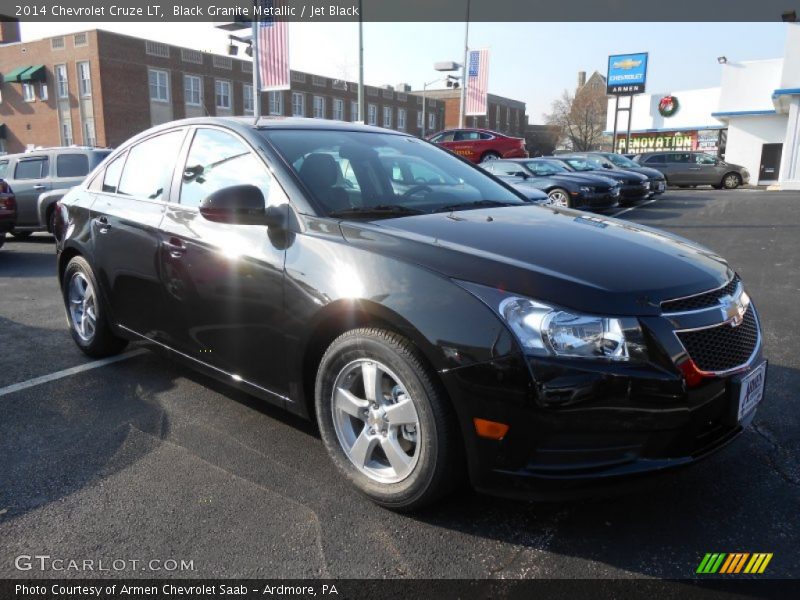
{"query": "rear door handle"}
(102, 224)
(175, 247)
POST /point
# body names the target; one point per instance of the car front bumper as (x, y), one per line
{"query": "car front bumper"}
(576, 428)
(596, 200)
(633, 192)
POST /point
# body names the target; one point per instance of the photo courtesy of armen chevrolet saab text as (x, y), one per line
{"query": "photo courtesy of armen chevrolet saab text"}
(439, 326)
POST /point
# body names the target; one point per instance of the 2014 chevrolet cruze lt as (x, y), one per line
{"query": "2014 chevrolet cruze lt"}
(432, 321)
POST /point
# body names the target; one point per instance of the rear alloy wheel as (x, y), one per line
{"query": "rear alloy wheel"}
(85, 313)
(731, 181)
(383, 420)
(560, 197)
(489, 157)
(2, 238)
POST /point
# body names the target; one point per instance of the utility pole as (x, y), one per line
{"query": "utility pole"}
(461, 117)
(256, 82)
(360, 64)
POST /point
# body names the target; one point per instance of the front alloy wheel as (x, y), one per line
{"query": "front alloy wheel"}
(731, 181)
(82, 307)
(559, 197)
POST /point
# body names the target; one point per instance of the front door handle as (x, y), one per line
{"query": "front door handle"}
(39, 186)
(175, 247)
(102, 224)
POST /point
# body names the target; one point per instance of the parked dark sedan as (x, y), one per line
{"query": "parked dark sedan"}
(573, 190)
(8, 211)
(610, 160)
(432, 330)
(635, 187)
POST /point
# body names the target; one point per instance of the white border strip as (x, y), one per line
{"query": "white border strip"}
(630, 208)
(23, 385)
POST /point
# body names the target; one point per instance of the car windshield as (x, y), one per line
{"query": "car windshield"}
(556, 165)
(622, 161)
(357, 173)
(542, 168)
(583, 164)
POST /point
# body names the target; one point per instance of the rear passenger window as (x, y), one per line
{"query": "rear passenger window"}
(112, 174)
(658, 159)
(3, 168)
(72, 165)
(32, 168)
(150, 165)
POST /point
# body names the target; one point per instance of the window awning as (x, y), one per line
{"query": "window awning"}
(26, 74)
(34, 73)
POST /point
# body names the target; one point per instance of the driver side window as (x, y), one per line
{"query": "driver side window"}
(217, 160)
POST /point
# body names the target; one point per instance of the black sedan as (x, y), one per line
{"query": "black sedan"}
(573, 190)
(435, 330)
(635, 187)
(610, 160)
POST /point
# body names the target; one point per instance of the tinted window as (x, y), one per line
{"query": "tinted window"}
(443, 137)
(217, 160)
(149, 166)
(486, 136)
(113, 171)
(541, 168)
(72, 165)
(3, 167)
(683, 158)
(33, 168)
(463, 136)
(705, 159)
(658, 159)
(508, 169)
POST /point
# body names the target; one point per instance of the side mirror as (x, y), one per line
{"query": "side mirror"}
(241, 205)
(522, 174)
(608, 166)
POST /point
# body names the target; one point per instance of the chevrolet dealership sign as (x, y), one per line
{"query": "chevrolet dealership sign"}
(627, 74)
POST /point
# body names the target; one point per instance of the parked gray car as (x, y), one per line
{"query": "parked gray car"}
(689, 169)
(41, 177)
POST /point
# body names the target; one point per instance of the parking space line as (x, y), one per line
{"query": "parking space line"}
(69, 372)
(630, 208)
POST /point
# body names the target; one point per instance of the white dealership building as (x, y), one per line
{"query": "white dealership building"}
(752, 118)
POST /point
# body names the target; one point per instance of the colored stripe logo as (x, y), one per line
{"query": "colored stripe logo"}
(733, 563)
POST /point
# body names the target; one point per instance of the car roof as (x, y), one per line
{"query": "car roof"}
(478, 129)
(65, 149)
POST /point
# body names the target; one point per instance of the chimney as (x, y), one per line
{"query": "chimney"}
(581, 79)
(9, 30)
(402, 87)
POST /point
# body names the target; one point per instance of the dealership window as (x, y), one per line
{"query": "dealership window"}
(66, 133)
(217, 160)
(338, 109)
(28, 92)
(43, 91)
(62, 84)
(372, 114)
(247, 99)
(222, 92)
(89, 137)
(84, 79)
(387, 116)
(32, 168)
(159, 85)
(72, 165)
(149, 166)
(319, 107)
(192, 90)
(431, 121)
(276, 103)
(401, 119)
(298, 104)
(353, 110)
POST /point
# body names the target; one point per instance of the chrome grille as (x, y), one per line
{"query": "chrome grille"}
(700, 301)
(723, 347)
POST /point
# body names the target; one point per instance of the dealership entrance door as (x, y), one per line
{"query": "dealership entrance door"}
(770, 162)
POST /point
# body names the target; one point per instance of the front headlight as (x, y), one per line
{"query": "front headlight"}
(545, 330)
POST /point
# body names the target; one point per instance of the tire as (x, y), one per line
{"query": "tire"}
(490, 156)
(2, 238)
(87, 322)
(51, 221)
(560, 197)
(731, 181)
(432, 449)
(21, 235)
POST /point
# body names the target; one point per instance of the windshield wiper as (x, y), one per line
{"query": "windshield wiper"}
(475, 204)
(381, 210)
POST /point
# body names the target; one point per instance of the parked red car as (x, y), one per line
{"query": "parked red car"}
(480, 145)
(8, 210)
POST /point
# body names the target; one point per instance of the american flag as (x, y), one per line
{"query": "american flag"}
(477, 82)
(273, 49)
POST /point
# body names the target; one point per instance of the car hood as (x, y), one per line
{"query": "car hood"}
(623, 176)
(583, 178)
(565, 257)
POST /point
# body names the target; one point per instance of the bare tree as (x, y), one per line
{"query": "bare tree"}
(580, 118)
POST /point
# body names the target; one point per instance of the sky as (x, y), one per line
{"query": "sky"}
(532, 62)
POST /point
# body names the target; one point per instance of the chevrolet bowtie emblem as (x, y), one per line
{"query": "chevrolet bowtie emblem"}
(733, 309)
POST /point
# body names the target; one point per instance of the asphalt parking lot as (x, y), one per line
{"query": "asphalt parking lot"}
(142, 459)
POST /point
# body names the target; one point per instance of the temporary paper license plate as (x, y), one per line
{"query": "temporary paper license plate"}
(751, 390)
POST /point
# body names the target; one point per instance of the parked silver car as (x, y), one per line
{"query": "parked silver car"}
(689, 169)
(41, 177)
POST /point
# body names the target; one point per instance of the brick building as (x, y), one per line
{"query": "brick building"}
(99, 88)
(504, 114)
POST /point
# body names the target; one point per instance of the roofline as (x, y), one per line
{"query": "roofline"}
(744, 113)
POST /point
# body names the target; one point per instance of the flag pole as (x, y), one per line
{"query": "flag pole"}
(360, 64)
(256, 90)
(462, 119)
